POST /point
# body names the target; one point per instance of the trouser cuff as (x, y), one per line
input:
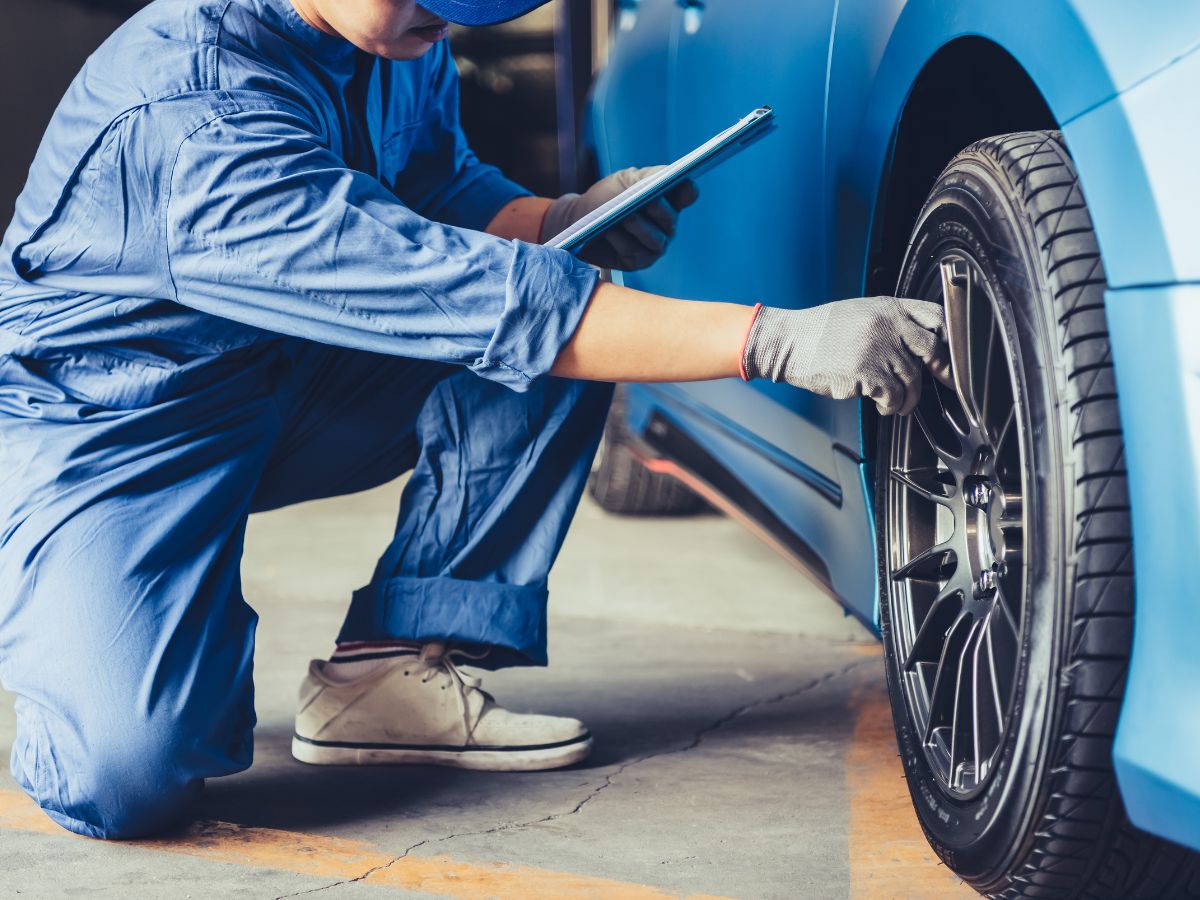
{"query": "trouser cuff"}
(507, 620)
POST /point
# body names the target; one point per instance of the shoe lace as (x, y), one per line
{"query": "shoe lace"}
(439, 658)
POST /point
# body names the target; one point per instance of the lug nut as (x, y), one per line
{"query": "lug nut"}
(987, 583)
(980, 494)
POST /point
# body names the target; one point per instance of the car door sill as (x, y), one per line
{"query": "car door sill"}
(667, 449)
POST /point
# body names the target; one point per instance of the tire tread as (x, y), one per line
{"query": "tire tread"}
(621, 485)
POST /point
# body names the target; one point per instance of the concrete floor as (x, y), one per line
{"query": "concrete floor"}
(744, 746)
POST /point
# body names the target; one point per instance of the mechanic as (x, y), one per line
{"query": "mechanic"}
(255, 264)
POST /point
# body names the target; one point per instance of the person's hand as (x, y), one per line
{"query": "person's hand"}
(872, 347)
(636, 242)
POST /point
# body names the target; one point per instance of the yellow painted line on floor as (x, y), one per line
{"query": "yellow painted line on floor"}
(889, 856)
(339, 859)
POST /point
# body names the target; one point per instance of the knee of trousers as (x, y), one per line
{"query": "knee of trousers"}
(583, 403)
(127, 785)
(585, 394)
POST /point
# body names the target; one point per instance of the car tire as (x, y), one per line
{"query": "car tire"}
(620, 484)
(1007, 638)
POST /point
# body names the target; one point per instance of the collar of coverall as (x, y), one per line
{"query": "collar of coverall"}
(325, 47)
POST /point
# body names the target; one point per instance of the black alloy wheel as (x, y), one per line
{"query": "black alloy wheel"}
(956, 478)
(1005, 544)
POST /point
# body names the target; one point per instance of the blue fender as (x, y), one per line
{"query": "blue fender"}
(1154, 318)
(1079, 55)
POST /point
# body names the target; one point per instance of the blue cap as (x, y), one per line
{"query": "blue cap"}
(480, 12)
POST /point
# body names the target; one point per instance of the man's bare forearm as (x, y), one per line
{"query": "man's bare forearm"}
(520, 220)
(628, 335)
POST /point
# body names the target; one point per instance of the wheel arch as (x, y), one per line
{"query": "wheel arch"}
(972, 88)
(996, 95)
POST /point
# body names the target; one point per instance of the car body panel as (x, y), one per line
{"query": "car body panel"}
(875, 62)
(699, 101)
(792, 222)
(636, 78)
(799, 500)
(1155, 338)
(1142, 187)
(1141, 179)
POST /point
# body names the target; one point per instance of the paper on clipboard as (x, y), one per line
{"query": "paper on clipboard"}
(720, 148)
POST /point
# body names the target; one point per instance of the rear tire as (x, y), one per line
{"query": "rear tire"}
(1024, 804)
(620, 484)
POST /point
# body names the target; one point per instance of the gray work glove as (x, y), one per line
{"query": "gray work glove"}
(636, 242)
(870, 347)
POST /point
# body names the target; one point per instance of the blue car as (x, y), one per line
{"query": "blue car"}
(1023, 542)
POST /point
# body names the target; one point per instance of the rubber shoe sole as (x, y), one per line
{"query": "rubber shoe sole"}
(483, 759)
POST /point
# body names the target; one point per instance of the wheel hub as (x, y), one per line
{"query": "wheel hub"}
(988, 512)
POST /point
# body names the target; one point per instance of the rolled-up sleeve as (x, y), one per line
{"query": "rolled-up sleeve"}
(267, 227)
(442, 178)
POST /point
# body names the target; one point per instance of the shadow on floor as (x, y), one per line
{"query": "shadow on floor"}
(278, 792)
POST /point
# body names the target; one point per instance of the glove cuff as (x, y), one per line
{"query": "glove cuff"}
(558, 215)
(746, 341)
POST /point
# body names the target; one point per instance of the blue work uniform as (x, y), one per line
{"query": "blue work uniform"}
(248, 270)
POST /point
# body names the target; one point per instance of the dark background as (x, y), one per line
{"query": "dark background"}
(523, 84)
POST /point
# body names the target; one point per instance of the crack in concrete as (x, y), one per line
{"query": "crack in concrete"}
(696, 740)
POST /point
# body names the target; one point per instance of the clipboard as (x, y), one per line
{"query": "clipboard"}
(711, 153)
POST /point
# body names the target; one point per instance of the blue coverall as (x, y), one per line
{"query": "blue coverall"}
(248, 270)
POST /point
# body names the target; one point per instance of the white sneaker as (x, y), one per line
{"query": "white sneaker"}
(420, 709)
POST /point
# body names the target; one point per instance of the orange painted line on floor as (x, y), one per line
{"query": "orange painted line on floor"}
(339, 859)
(889, 856)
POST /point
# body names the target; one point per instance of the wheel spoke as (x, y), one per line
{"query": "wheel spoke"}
(945, 454)
(941, 679)
(933, 627)
(987, 373)
(962, 430)
(956, 293)
(959, 698)
(923, 481)
(995, 678)
(928, 565)
(976, 718)
(1005, 429)
(1008, 614)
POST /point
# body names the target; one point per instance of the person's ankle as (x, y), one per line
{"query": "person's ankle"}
(352, 660)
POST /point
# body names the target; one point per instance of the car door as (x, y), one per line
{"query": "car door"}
(758, 233)
(629, 102)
